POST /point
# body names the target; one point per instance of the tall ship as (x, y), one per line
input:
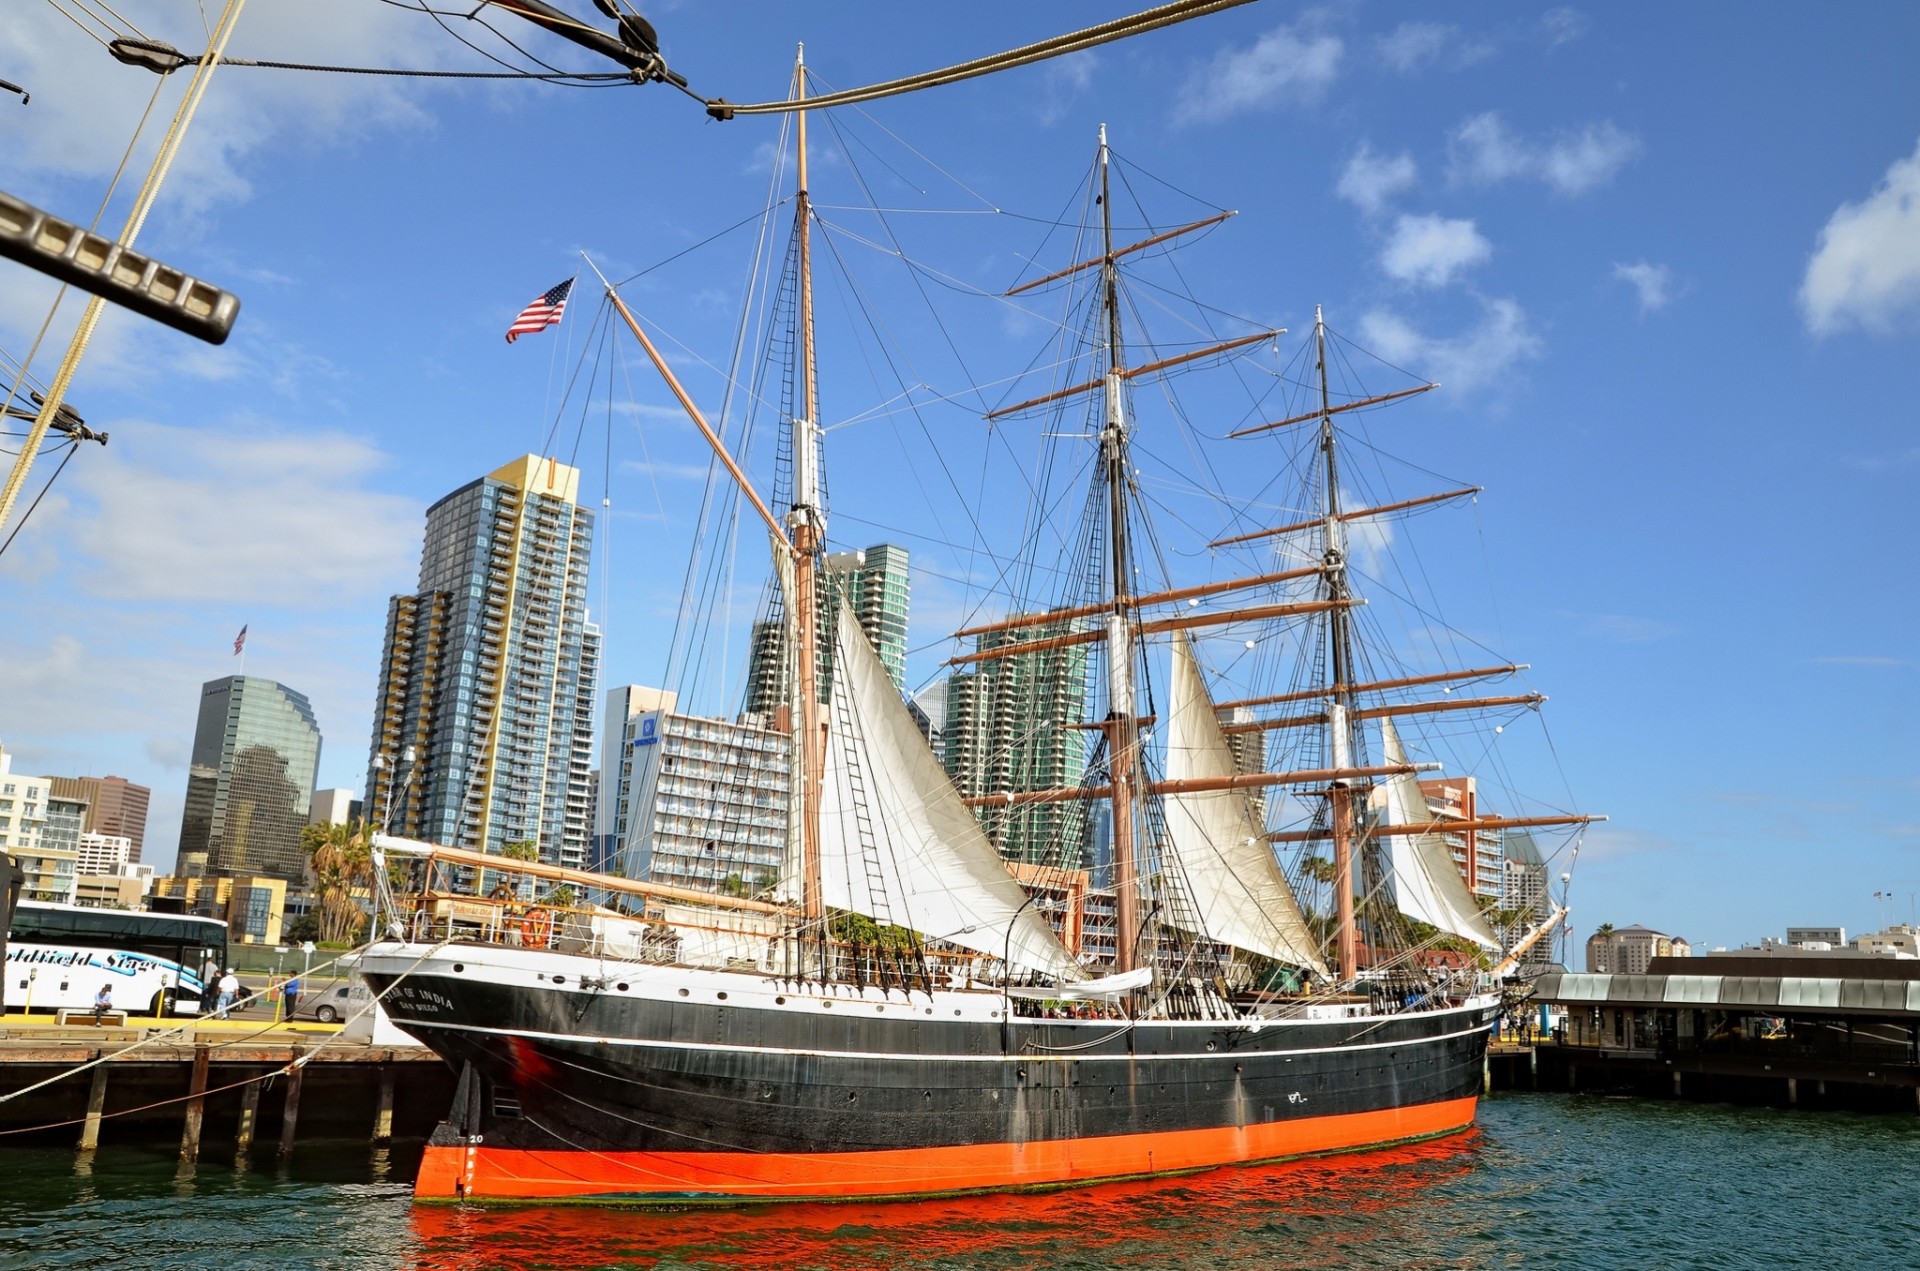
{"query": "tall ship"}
(1221, 932)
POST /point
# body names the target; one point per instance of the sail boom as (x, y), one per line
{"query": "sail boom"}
(1196, 785)
(1355, 515)
(1117, 253)
(1378, 686)
(1442, 827)
(1333, 410)
(1393, 711)
(1174, 596)
(1160, 626)
(1135, 372)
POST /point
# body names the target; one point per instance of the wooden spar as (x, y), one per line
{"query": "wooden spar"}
(693, 412)
(1195, 785)
(1393, 711)
(1185, 622)
(1123, 735)
(1441, 827)
(577, 877)
(1138, 602)
(1332, 410)
(1128, 373)
(1355, 515)
(1527, 941)
(809, 533)
(1117, 253)
(1376, 686)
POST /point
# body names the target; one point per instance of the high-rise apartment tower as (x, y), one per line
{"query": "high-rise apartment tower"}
(483, 729)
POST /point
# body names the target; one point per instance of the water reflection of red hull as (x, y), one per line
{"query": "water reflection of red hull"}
(1327, 1206)
(450, 1172)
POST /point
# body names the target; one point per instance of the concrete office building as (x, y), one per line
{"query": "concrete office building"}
(115, 807)
(483, 727)
(689, 800)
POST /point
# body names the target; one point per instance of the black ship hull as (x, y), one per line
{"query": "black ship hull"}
(737, 1087)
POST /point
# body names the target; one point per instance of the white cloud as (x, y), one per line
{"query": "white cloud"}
(1063, 82)
(1431, 251)
(1466, 362)
(1482, 151)
(1865, 268)
(85, 104)
(1652, 283)
(1563, 26)
(257, 516)
(1413, 45)
(1287, 64)
(1622, 628)
(1370, 179)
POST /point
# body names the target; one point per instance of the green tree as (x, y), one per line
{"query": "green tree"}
(524, 850)
(340, 862)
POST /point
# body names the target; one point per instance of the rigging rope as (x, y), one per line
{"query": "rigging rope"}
(1058, 46)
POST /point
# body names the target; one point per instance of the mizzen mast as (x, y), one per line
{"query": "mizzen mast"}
(1123, 728)
(1333, 587)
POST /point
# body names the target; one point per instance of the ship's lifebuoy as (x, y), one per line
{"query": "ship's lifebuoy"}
(536, 928)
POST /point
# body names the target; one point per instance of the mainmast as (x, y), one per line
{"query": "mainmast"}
(1333, 564)
(807, 524)
(1123, 736)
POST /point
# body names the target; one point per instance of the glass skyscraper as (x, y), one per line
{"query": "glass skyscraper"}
(489, 673)
(256, 753)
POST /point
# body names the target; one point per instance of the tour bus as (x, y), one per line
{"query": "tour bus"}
(58, 956)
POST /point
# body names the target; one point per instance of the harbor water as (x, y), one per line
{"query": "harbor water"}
(1544, 1181)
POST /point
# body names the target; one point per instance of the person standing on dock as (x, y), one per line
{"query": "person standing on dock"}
(290, 995)
(229, 989)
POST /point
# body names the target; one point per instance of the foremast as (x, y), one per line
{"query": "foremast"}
(807, 524)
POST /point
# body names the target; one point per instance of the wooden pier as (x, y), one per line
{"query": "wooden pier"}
(215, 1083)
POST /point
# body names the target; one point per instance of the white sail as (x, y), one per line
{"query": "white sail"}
(1427, 884)
(898, 843)
(1238, 889)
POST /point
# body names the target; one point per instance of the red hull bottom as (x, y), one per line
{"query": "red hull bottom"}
(480, 1172)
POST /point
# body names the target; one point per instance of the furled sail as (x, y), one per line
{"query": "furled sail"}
(897, 841)
(1427, 884)
(1241, 896)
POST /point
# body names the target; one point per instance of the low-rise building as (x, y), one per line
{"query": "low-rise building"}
(1813, 937)
(253, 906)
(126, 887)
(1902, 939)
(1627, 950)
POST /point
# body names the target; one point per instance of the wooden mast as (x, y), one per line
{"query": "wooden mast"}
(1123, 732)
(807, 523)
(1340, 693)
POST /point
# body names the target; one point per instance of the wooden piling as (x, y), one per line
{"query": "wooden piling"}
(196, 1108)
(291, 1117)
(1793, 1092)
(96, 1105)
(1678, 1091)
(383, 1112)
(249, 1117)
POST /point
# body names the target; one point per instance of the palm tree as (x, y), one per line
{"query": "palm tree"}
(339, 859)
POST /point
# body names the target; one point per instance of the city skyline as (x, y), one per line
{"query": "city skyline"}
(1624, 259)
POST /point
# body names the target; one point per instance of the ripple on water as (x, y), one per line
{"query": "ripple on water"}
(1546, 1181)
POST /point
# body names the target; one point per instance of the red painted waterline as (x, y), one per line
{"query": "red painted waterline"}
(479, 1172)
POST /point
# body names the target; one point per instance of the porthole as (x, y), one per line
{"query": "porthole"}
(683, 992)
(458, 967)
(622, 987)
(880, 1006)
(559, 979)
(779, 1001)
(828, 1005)
(956, 1014)
(721, 995)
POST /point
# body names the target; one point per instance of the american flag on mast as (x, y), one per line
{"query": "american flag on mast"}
(240, 641)
(544, 312)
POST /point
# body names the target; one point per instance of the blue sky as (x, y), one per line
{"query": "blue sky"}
(1665, 260)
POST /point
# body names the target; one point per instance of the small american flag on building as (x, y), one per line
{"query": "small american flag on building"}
(240, 641)
(544, 312)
